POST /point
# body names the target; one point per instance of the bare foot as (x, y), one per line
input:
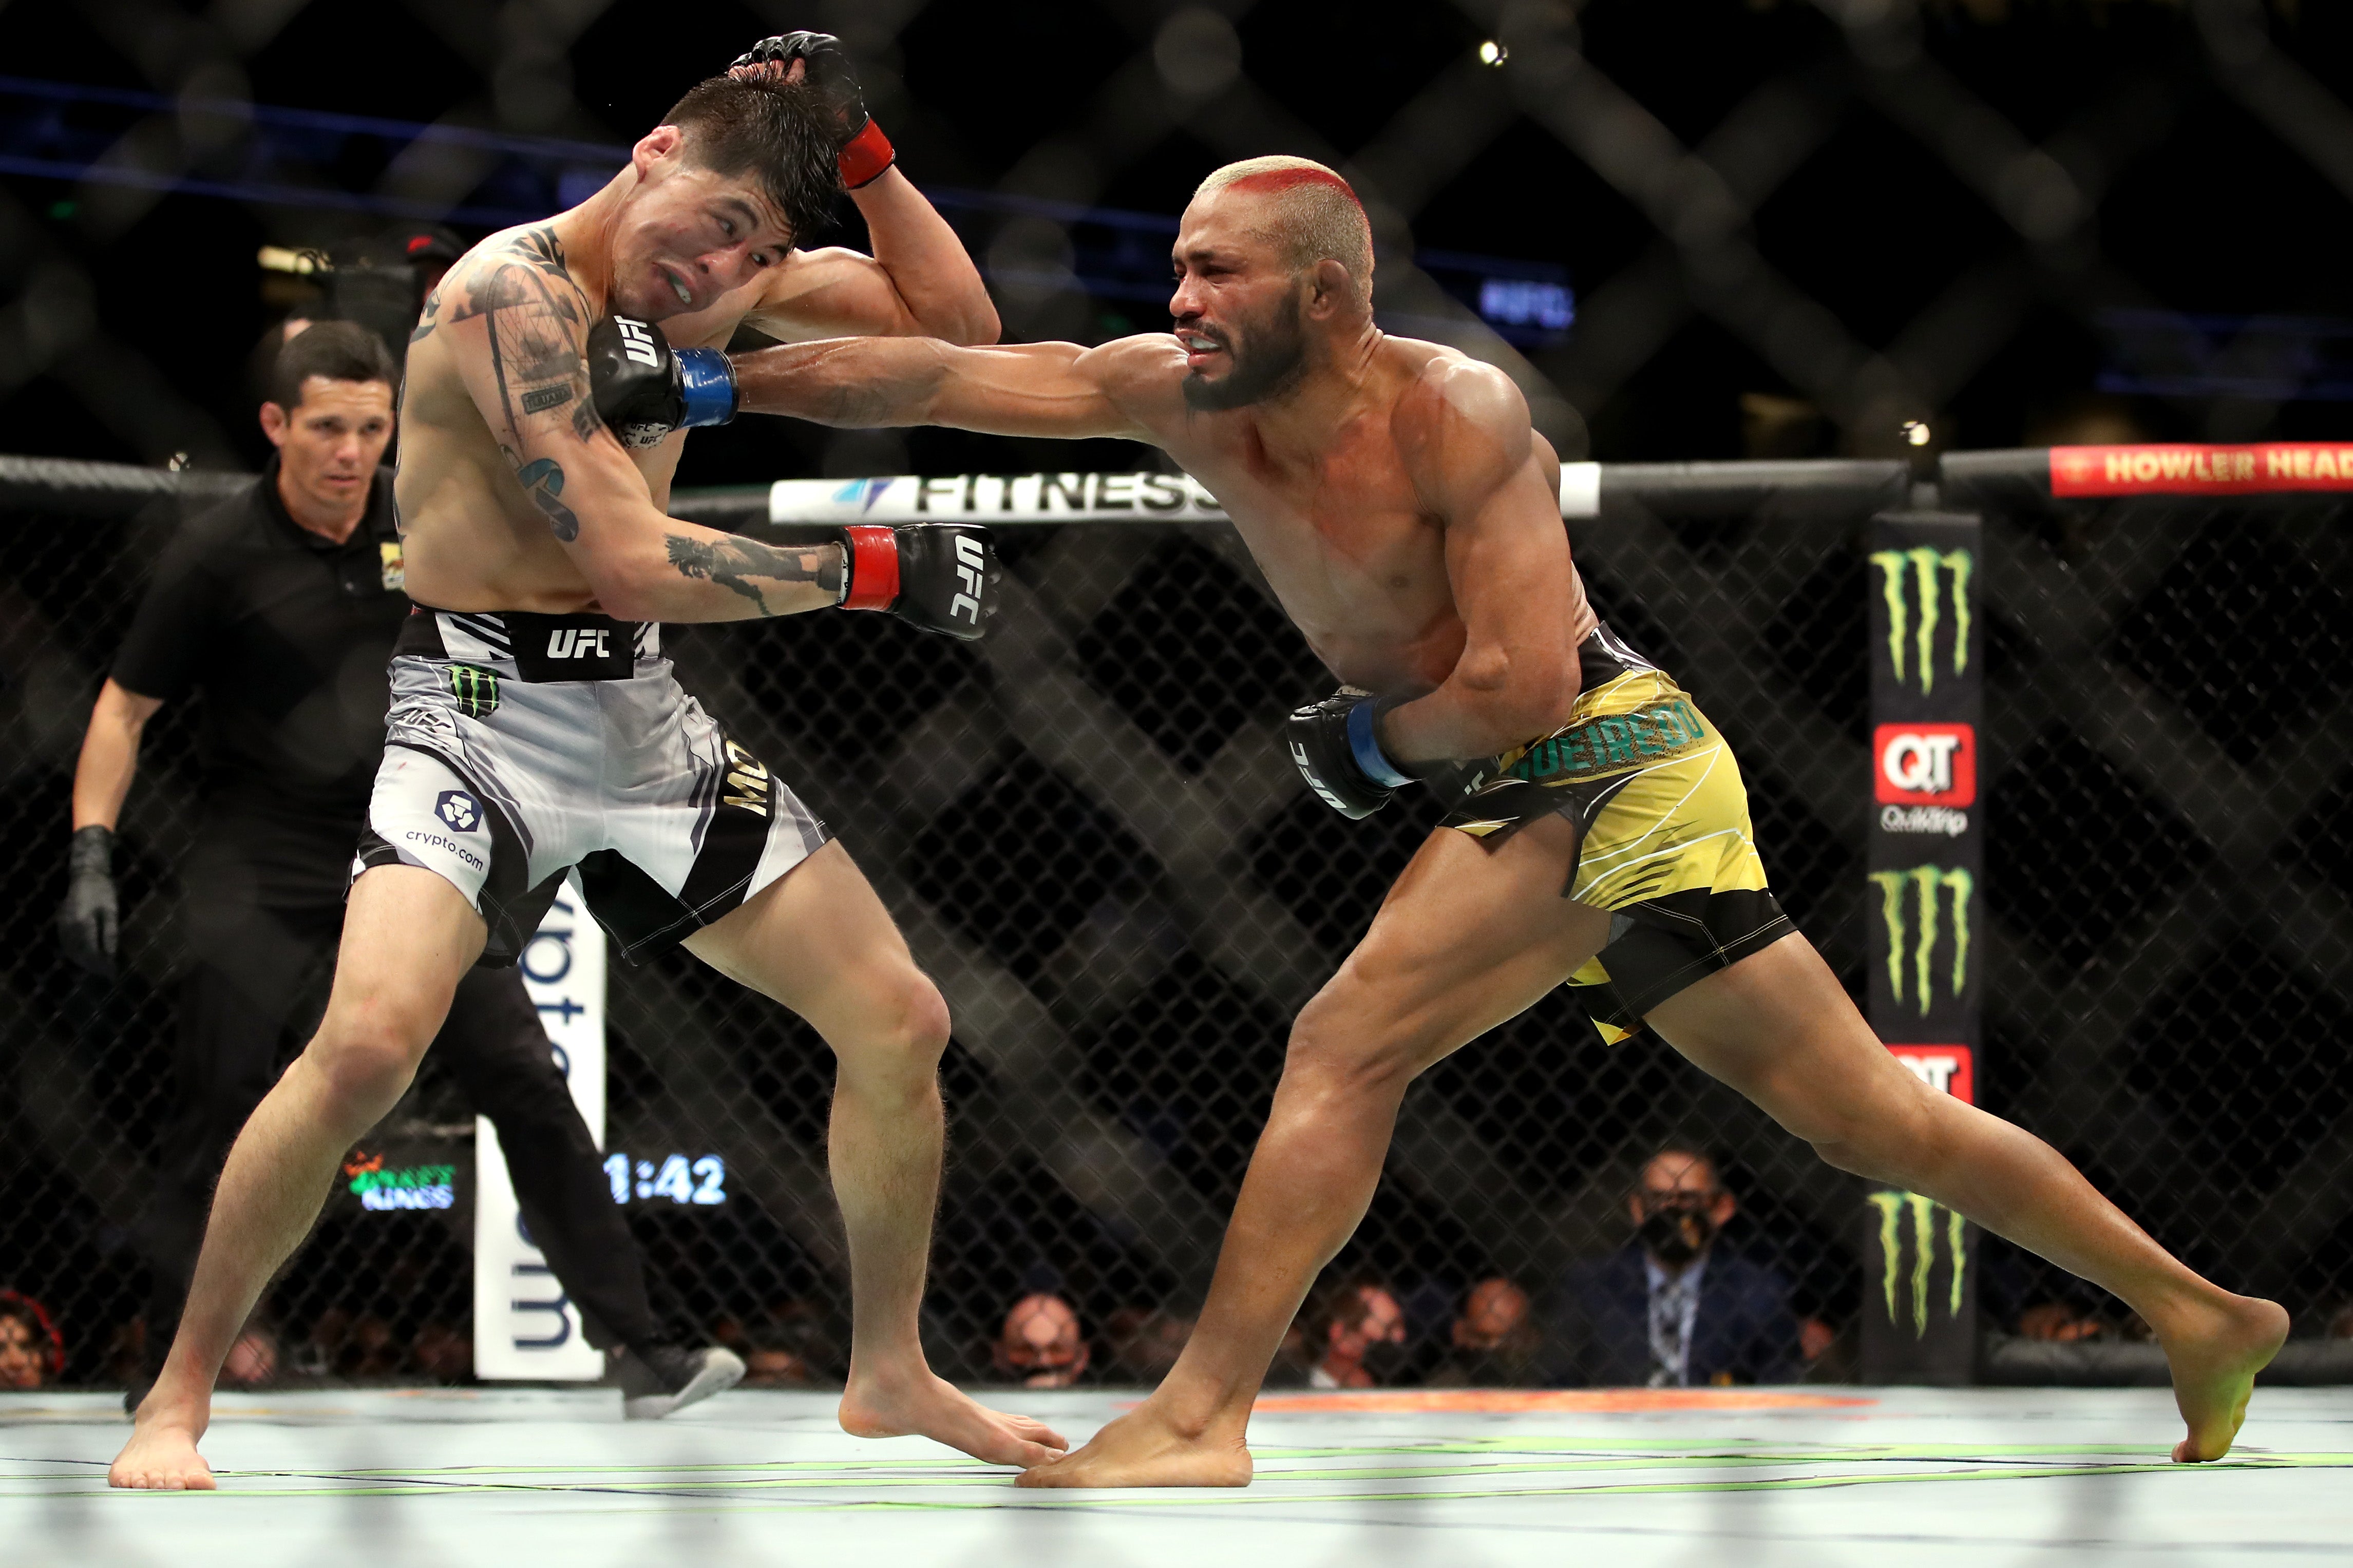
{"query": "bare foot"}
(162, 1454)
(2214, 1358)
(1143, 1448)
(933, 1407)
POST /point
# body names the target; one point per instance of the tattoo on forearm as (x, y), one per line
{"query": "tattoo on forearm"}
(733, 563)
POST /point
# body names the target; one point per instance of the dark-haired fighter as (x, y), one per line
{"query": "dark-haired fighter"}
(536, 730)
(1408, 518)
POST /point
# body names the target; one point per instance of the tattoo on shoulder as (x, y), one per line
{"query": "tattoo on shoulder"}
(426, 319)
(740, 564)
(543, 249)
(538, 319)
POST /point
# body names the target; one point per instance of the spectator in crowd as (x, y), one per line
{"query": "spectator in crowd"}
(442, 1354)
(2340, 1323)
(1493, 1341)
(1673, 1309)
(253, 1360)
(1357, 1332)
(32, 1352)
(1041, 1345)
(769, 1362)
(791, 1347)
(1144, 1342)
(370, 1349)
(279, 608)
(2062, 1322)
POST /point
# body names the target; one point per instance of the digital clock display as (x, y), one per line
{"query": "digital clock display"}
(673, 1176)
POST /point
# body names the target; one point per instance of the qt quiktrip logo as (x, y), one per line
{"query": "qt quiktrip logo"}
(1924, 765)
(1948, 1069)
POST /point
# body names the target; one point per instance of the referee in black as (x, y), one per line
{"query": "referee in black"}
(279, 607)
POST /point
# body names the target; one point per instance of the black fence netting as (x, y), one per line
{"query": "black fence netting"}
(1091, 834)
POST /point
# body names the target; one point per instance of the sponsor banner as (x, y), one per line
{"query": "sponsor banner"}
(405, 1175)
(995, 499)
(1925, 857)
(1919, 1308)
(1050, 498)
(524, 1325)
(1924, 909)
(2200, 470)
(1926, 764)
(1948, 1069)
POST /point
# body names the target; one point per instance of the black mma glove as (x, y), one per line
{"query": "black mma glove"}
(861, 150)
(644, 389)
(1333, 745)
(941, 577)
(89, 921)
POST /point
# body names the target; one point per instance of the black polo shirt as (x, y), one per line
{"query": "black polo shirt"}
(285, 635)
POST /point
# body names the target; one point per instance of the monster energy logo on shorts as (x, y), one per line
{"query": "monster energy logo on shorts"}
(1923, 887)
(1903, 572)
(476, 689)
(1892, 1207)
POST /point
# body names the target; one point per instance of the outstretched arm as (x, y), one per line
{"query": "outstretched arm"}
(518, 326)
(1026, 389)
(1465, 439)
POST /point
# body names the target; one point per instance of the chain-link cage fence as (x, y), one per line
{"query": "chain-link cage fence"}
(2168, 866)
(1790, 229)
(1090, 832)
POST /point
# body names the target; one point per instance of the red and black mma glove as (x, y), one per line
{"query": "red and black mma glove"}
(1335, 748)
(941, 577)
(861, 150)
(644, 389)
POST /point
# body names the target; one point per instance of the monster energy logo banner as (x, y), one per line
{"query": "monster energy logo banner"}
(1921, 577)
(1916, 916)
(1894, 1208)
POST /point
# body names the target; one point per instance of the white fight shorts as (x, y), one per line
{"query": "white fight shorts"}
(521, 746)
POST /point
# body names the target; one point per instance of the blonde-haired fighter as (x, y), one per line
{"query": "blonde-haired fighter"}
(1408, 518)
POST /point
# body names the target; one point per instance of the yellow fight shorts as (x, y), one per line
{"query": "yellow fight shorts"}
(1663, 835)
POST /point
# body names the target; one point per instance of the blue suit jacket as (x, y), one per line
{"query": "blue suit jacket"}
(1600, 1324)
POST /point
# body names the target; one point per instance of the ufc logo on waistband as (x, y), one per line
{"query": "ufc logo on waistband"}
(971, 567)
(578, 642)
(636, 343)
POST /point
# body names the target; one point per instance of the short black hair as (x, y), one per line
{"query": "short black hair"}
(780, 133)
(340, 351)
(1340, 1301)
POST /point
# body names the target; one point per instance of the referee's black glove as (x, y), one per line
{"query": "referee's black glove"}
(89, 920)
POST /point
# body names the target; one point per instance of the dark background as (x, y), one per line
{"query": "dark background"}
(1932, 217)
(1886, 206)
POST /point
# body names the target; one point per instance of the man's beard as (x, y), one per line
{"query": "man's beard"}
(1270, 356)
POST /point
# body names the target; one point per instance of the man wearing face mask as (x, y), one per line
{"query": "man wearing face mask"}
(1672, 1310)
(1360, 1331)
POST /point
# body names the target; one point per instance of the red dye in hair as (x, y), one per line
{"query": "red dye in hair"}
(1274, 182)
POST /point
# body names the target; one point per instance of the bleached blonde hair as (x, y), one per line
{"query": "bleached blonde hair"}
(1308, 210)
